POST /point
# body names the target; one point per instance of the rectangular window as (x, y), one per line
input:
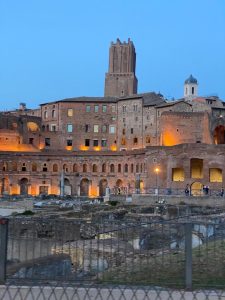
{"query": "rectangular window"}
(69, 112)
(104, 108)
(135, 141)
(88, 108)
(95, 143)
(69, 127)
(87, 143)
(96, 108)
(112, 129)
(104, 128)
(96, 128)
(52, 127)
(215, 175)
(104, 143)
(113, 108)
(69, 142)
(47, 142)
(113, 118)
(86, 128)
(132, 130)
(177, 174)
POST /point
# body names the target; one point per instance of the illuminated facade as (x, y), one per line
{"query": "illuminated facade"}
(116, 140)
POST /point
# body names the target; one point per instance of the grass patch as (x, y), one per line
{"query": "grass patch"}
(168, 269)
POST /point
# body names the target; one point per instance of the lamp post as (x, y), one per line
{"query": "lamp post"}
(157, 187)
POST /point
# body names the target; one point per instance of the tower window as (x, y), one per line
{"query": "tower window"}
(69, 112)
(192, 90)
(87, 143)
(95, 143)
(88, 108)
(69, 127)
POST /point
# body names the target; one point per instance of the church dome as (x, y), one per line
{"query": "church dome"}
(191, 79)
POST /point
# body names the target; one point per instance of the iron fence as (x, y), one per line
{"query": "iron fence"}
(169, 192)
(66, 259)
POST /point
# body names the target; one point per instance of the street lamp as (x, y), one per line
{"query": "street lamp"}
(157, 188)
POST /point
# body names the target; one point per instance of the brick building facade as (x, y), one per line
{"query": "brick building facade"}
(117, 140)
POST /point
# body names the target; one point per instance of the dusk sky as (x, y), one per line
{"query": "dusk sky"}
(54, 49)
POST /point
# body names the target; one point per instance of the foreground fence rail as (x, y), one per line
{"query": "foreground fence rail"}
(118, 259)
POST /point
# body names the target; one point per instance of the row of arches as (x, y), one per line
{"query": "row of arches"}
(75, 168)
(84, 190)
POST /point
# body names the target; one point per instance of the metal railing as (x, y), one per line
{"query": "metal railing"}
(169, 192)
(152, 255)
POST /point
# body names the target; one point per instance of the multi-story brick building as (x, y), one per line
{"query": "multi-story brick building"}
(117, 140)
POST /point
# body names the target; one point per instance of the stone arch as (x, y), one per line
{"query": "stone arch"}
(119, 183)
(5, 185)
(103, 183)
(84, 187)
(67, 187)
(196, 188)
(65, 168)
(219, 134)
(32, 126)
(23, 186)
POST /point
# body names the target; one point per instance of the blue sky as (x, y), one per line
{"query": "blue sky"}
(54, 49)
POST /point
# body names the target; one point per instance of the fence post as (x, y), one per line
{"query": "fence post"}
(188, 256)
(3, 249)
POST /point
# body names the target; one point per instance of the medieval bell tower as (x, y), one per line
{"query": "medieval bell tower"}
(120, 81)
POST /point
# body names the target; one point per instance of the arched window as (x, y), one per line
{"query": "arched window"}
(45, 114)
(5, 167)
(112, 168)
(53, 113)
(55, 168)
(34, 167)
(137, 168)
(45, 169)
(104, 168)
(75, 168)
(119, 168)
(132, 168)
(24, 168)
(141, 168)
(126, 168)
(84, 168)
(65, 168)
(94, 168)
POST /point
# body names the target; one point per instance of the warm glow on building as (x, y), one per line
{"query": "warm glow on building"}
(113, 148)
(84, 148)
(169, 139)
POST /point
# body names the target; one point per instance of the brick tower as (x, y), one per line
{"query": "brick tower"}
(120, 81)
